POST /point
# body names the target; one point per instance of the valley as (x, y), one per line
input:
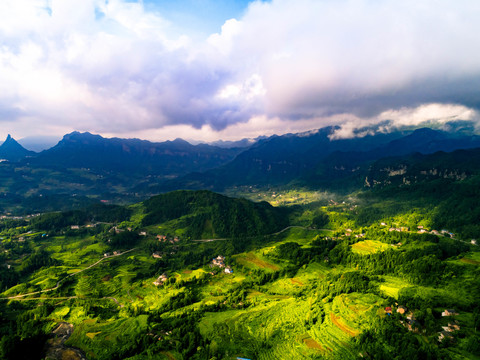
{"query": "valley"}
(352, 255)
(239, 180)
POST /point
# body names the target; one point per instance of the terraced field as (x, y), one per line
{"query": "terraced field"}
(253, 260)
(97, 337)
(368, 247)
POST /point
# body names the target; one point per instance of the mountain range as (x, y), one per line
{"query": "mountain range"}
(83, 164)
(313, 159)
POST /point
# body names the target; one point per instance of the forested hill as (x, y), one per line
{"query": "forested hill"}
(196, 214)
(446, 185)
(418, 168)
(205, 214)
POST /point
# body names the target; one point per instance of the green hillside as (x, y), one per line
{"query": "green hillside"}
(207, 214)
(347, 278)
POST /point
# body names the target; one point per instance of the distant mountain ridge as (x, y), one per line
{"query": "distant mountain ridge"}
(169, 158)
(312, 158)
(11, 150)
(127, 170)
(280, 159)
(343, 169)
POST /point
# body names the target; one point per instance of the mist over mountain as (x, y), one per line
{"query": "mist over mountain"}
(243, 143)
(38, 143)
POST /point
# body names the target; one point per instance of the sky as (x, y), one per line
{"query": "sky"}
(206, 69)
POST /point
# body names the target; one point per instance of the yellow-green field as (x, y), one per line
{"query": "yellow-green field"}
(96, 337)
(473, 258)
(368, 247)
(392, 286)
(256, 260)
(346, 316)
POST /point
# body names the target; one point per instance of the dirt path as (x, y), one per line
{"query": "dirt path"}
(209, 240)
(277, 233)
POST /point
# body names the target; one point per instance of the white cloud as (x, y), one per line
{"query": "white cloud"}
(112, 67)
(389, 120)
(223, 41)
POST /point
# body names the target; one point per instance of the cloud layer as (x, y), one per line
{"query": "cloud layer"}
(114, 68)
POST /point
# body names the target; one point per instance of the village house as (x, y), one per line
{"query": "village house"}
(160, 280)
(106, 254)
(116, 230)
(388, 310)
(75, 227)
(413, 325)
(473, 242)
(451, 328)
(143, 233)
(453, 325)
(383, 224)
(228, 270)
(421, 231)
(116, 253)
(435, 232)
(449, 312)
(162, 237)
(444, 335)
(219, 261)
(401, 309)
(157, 255)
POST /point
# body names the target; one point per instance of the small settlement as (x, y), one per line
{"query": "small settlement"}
(409, 321)
(219, 261)
(160, 280)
